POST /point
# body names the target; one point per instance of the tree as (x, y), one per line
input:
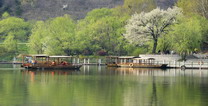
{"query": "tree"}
(3, 50)
(150, 26)
(164, 43)
(10, 44)
(191, 7)
(36, 40)
(54, 37)
(15, 26)
(186, 36)
(5, 15)
(61, 36)
(101, 30)
(203, 7)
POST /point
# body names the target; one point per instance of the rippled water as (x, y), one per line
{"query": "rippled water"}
(101, 86)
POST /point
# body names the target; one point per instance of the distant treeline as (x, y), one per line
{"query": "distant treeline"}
(134, 28)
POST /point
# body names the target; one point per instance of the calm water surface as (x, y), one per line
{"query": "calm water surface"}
(101, 86)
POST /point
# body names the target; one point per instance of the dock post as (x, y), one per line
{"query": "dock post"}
(174, 64)
(169, 63)
(78, 60)
(74, 61)
(100, 61)
(200, 65)
(84, 69)
(84, 61)
(88, 61)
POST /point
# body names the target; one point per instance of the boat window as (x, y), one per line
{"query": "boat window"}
(124, 60)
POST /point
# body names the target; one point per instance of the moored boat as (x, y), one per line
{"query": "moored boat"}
(135, 62)
(49, 62)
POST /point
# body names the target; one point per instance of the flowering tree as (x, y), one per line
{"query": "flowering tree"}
(150, 26)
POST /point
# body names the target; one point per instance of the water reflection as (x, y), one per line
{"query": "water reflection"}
(47, 73)
(50, 72)
(103, 86)
(158, 72)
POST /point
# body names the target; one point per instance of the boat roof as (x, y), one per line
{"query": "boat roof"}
(144, 58)
(60, 56)
(45, 55)
(40, 55)
(112, 56)
(127, 57)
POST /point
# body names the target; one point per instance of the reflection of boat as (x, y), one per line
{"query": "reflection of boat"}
(52, 72)
(48, 62)
(135, 62)
(136, 71)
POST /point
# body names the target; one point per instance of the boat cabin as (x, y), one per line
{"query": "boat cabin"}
(126, 59)
(136, 62)
(112, 59)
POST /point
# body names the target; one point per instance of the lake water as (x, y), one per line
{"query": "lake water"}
(102, 86)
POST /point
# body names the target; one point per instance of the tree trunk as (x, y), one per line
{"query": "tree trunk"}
(154, 46)
(183, 56)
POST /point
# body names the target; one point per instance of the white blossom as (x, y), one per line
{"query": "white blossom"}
(149, 26)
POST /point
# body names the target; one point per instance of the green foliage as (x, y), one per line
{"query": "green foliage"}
(36, 40)
(164, 43)
(101, 29)
(187, 6)
(54, 37)
(133, 6)
(191, 7)
(138, 51)
(3, 50)
(61, 36)
(10, 43)
(204, 27)
(22, 48)
(187, 35)
(14, 26)
(5, 15)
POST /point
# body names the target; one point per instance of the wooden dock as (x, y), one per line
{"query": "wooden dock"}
(197, 64)
(186, 64)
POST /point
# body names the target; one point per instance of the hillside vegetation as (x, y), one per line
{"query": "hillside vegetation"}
(44, 9)
(130, 28)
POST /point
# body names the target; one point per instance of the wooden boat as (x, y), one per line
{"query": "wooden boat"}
(134, 62)
(48, 62)
(142, 65)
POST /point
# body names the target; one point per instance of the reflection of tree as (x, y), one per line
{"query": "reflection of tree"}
(105, 88)
(203, 91)
(12, 88)
(153, 101)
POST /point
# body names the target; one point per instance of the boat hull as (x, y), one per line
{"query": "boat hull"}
(112, 65)
(139, 65)
(73, 66)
